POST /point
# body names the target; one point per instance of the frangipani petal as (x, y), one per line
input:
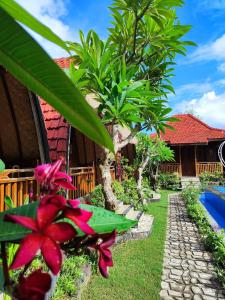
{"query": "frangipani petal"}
(40, 172)
(107, 257)
(35, 286)
(57, 200)
(74, 203)
(66, 185)
(55, 167)
(109, 241)
(62, 175)
(80, 218)
(22, 220)
(60, 232)
(27, 250)
(46, 215)
(52, 255)
(103, 267)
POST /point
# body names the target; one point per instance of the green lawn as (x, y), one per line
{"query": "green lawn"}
(137, 264)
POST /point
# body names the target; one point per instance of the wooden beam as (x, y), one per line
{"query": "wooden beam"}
(180, 161)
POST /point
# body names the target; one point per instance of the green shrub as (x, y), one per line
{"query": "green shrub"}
(169, 181)
(70, 274)
(97, 196)
(214, 241)
(118, 190)
(208, 178)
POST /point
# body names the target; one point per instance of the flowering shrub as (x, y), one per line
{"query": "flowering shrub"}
(53, 225)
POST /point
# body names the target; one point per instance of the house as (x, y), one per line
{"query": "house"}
(32, 132)
(195, 145)
(23, 140)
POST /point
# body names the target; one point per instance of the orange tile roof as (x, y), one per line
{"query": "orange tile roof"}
(57, 128)
(190, 130)
(57, 131)
(63, 62)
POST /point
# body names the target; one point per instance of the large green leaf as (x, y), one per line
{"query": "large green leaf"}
(21, 15)
(2, 165)
(12, 232)
(105, 221)
(102, 221)
(29, 63)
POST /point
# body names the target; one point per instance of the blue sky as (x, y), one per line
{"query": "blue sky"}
(200, 76)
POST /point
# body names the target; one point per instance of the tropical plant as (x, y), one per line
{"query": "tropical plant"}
(31, 65)
(149, 154)
(129, 73)
(169, 181)
(51, 225)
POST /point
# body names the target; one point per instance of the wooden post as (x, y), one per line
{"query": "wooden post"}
(196, 171)
(180, 171)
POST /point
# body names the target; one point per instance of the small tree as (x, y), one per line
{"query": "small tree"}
(150, 153)
(129, 72)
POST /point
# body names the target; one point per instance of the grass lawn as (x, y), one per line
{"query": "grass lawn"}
(137, 264)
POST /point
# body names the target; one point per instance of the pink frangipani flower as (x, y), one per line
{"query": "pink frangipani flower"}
(70, 209)
(33, 287)
(45, 237)
(102, 244)
(51, 179)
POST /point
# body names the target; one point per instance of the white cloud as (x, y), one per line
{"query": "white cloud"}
(193, 88)
(210, 107)
(50, 13)
(211, 51)
(212, 4)
(221, 67)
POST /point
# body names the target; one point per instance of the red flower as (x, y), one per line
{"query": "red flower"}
(102, 244)
(33, 287)
(45, 237)
(51, 179)
(79, 216)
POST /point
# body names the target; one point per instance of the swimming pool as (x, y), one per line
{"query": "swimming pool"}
(214, 202)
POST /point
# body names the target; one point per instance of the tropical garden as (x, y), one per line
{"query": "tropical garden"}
(47, 244)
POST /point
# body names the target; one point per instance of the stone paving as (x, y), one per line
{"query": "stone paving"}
(188, 272)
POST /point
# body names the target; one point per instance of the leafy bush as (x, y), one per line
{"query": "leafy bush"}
(169, 181)
(207, 178)
(70, 274)
(97, 196)
(118, 189)
(214, 241)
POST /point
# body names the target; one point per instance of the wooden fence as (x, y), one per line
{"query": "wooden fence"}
(83, 179)
(210, 167)
(19, 183)
(171, 168)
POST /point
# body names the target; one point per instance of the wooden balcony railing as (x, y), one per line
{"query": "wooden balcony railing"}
(83, 179)
(210, 167)
(171, 168)
(17, 184)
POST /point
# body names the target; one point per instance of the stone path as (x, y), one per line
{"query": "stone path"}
(188, 272)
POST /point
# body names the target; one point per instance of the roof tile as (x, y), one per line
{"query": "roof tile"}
(190, 130)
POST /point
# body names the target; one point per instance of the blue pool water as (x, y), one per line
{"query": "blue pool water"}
(220, 189)
(215, 205)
